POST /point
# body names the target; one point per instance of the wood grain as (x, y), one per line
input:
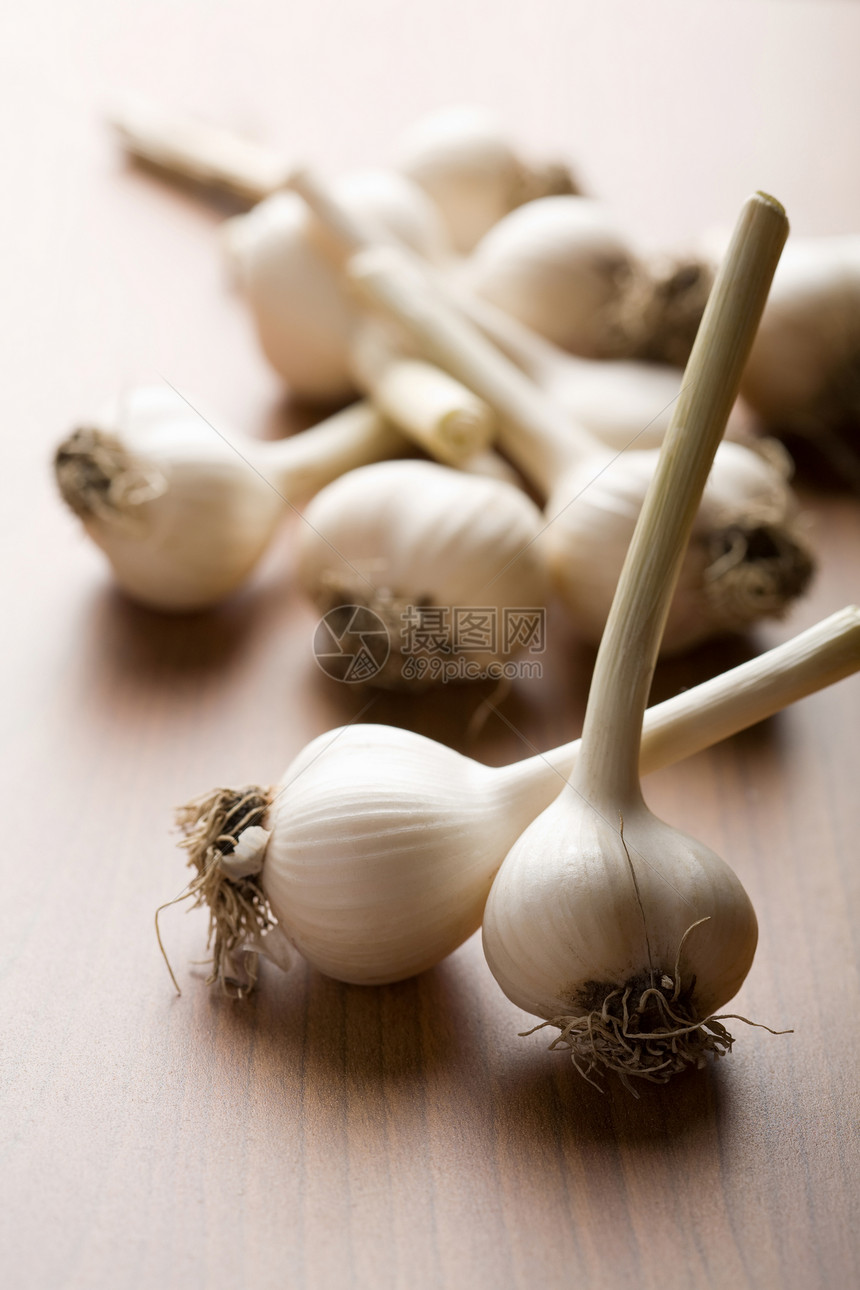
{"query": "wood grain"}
(324, 1135)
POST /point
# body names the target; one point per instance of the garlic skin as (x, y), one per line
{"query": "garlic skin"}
(466, 165)
(302, 311)
(748, 557)
(404, 536)
(591, 939)
(559, 266)
(372, 824)
(183, 513)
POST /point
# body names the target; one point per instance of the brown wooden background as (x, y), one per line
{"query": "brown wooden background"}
(323, 1135)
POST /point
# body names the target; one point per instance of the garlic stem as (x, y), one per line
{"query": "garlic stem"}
(538, 436)
(722, 706)
(608, 768)
(298, 467)
(626, 934)
(545, 441)
(195, 150)
(435, 411)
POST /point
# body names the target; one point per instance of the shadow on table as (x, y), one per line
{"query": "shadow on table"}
(431, 1037)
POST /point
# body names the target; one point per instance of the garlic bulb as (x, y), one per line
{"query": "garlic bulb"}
(183, 513)
(467, 166)
(749, 559)
(302, 311)
(621, 931)
(803, 377)
(560, 266)
(440, 556)
(374, 854)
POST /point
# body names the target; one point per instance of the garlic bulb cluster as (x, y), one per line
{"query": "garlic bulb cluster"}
(183, 513)
(749, 558)
(441, 557)
(466, 164)
(303, 315)
(374, 854)
(644, 931)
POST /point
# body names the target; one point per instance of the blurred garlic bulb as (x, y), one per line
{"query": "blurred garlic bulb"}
(803, 377)
(303, 314)
(747, 558)
(182, 513)
(471, 171)
(560, 266)
(427, 549)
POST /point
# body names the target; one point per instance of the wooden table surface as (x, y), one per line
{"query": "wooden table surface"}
(323, 1135)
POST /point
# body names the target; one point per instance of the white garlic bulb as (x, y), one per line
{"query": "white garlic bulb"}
(302, 311)
(183, 512)
(747, 558)
(422, 545)
(464, 161)
(560, 266)
(635, 936)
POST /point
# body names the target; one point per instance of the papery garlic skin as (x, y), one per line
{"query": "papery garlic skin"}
(747, 501)
(403, 536)
(597, 931)
(370, 825)
(560, 266)
(461, 157)
(302, 310)
(185, 519)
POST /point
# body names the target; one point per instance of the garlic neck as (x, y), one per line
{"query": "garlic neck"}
(300, 466)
